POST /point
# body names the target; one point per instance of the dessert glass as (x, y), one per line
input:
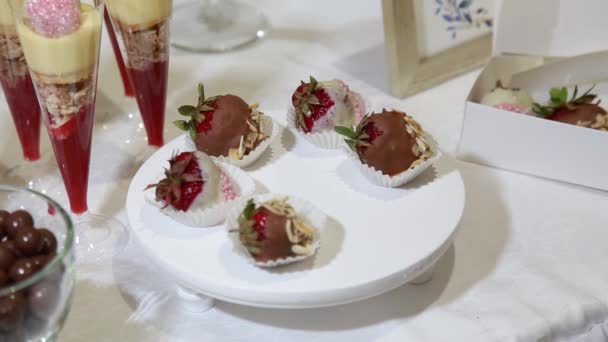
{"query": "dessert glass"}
(36, 308)
(64, 72)
(216, 25)
(143, 26)
(17, 85)
(122, 68)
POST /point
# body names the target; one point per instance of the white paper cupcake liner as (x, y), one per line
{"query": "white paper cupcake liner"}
(381, 179)
(329, 139)
(251, 157)
(210, 216)
(304, 209)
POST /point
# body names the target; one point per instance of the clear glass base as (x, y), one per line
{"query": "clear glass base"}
(216, 26)
(98, 237)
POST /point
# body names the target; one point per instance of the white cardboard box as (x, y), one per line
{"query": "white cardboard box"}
(526, 144)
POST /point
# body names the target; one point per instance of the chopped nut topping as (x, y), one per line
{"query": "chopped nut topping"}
(255, 136)
(298, 232)
(422, 149)
(12, 59)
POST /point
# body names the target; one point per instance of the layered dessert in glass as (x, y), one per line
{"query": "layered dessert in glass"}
(17, 84)
(60, 39)
(144, 29)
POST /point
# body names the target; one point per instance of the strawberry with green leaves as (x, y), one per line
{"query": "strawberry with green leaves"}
(192, 181)
(391, 141)
(321, 106)
(272, 231)
(583, 110)
(223, 125)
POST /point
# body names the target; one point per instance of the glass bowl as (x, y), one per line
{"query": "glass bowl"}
(35, 307)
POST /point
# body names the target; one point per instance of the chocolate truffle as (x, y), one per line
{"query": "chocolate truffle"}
(17, 220)
(23, 269)
(223, 125)
(390, 142)
(43, 298)
(7, 258)
(28, 240)
(48, 241)
(12, 311)
(272, 231)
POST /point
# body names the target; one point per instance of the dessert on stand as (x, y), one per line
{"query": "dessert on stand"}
(308, 249)
(227, 128)
(144, 33)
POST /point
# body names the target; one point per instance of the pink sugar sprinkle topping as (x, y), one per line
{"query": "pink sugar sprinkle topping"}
(358, 105)
(512, 107)
(227, 188)
(53, 18)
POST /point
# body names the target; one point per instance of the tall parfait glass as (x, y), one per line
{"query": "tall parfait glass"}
(61, 42)
(143, 26)
(17, 84)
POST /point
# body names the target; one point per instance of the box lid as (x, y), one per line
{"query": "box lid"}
(556, 28)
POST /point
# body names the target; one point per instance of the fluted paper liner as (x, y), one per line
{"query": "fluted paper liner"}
(381, 179)
(255, 154)
(328, 139)
(243, 185)
(307, 211)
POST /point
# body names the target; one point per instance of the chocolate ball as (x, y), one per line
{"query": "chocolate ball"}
(28, 240)
(226, 126)
(11, 246)
(582, 112)
(48, 241)
(4, 215)
(17, 220)
(23, 269)
(7, 258)
(3, 278)
(43, 298)
(276, 244)
(391, 150)
(12, 311)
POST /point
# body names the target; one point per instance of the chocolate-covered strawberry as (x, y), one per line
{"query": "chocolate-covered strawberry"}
(390, 142)
(272, 231)
(192, 181)
(321, 106)
(581, 110)
(223, 125)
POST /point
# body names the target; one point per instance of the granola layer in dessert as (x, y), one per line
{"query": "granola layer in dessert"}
(12, 60)
(143, 27)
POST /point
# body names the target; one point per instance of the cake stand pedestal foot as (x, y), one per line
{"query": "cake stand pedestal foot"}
(194, 302)
(424, 277)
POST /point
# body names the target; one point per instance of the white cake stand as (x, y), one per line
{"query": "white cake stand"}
(380, 238)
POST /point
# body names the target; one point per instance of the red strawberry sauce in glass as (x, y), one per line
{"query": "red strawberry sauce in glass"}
(24, 107)
(151, 95)
(72, 145)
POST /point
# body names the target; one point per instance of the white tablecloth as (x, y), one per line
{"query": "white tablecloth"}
(528, 264)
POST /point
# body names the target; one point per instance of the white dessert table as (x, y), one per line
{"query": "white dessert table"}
(528, 264)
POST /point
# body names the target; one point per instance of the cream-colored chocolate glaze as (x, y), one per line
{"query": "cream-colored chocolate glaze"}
(139, 13)
(67, 58)
(6, 11)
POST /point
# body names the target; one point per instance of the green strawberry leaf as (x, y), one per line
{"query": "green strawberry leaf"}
(249, 210)
(201, 90)
(187, 110)
(192, 130)
(181, 124)
(347, 132)
(198, 117)
(559, 95)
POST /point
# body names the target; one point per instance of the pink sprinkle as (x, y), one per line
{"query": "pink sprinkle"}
(358, 104)
(227, 188)
(511, 107)
(53, 18)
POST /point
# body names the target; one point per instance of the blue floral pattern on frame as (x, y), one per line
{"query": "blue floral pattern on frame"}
(462, 15)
